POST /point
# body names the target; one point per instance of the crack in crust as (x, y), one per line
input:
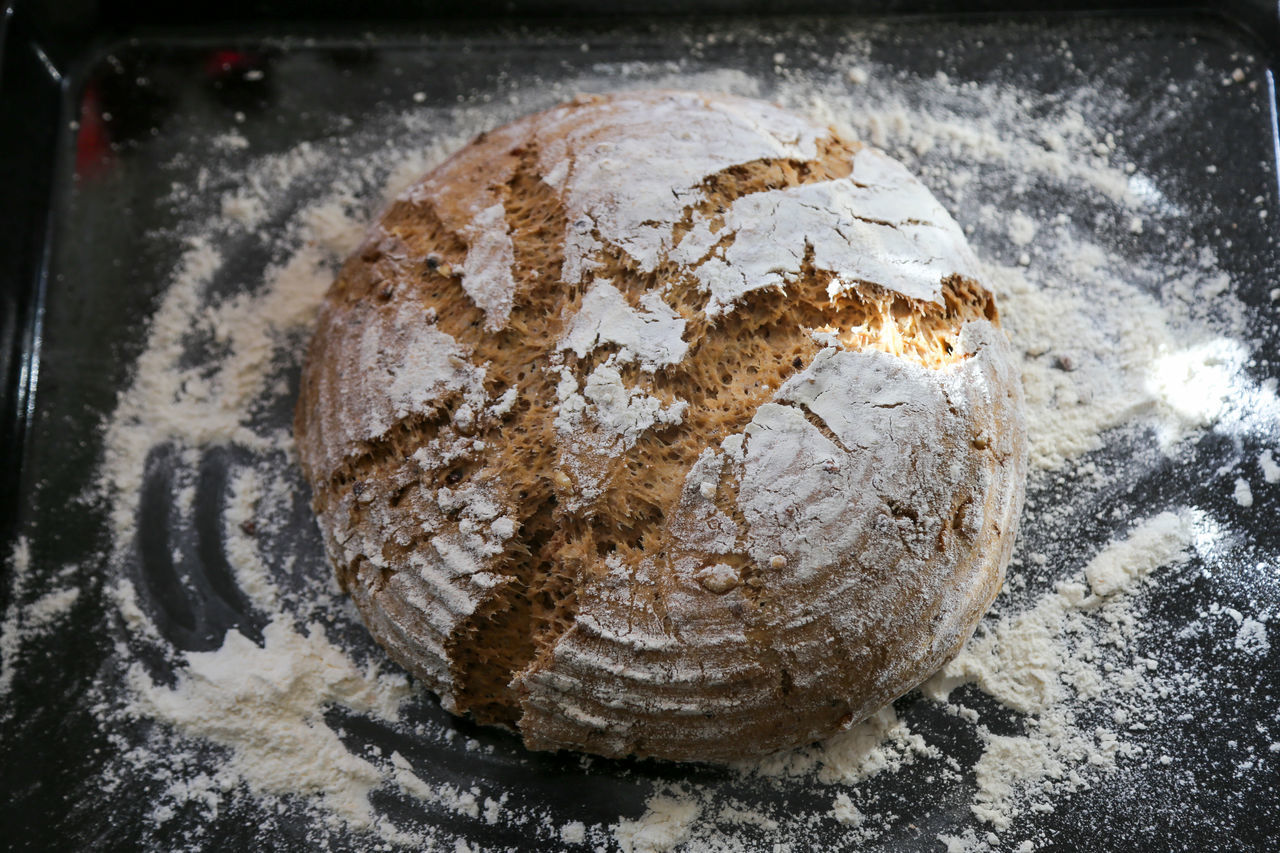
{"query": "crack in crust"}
(563, 552)
(723, 188)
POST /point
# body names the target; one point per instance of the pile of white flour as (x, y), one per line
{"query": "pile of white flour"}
(1136, 347)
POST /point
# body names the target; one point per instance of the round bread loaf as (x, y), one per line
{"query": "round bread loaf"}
(665, 424)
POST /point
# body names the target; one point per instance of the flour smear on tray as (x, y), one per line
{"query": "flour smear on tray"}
(1135, 345)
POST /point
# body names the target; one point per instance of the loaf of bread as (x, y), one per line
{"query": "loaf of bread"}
(665, 424)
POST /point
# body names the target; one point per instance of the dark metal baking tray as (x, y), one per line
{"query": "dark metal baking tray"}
(81, 275)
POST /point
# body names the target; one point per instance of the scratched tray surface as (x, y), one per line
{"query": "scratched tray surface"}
(115, 248)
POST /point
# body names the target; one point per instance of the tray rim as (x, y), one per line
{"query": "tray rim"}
(63, 86)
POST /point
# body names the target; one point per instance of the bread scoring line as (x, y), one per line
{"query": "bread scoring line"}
(878, 209)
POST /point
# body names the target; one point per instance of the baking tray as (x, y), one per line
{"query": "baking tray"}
(84, 269)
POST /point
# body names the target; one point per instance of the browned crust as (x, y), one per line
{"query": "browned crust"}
(502, 652)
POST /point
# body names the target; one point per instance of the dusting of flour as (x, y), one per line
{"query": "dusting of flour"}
(1116, 347)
